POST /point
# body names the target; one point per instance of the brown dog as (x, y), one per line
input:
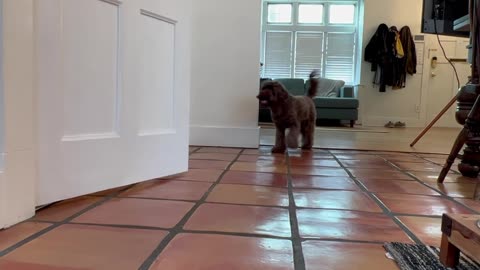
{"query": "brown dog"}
(296, 113)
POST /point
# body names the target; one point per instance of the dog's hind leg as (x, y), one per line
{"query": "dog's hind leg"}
(292, 138)
(279, 141)
(308, 130)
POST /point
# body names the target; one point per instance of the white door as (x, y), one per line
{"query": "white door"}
(113, 93)
(442, 83)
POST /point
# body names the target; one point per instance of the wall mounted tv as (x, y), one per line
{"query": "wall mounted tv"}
(450, 16)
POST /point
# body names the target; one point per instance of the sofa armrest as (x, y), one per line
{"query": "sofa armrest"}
(347, 91)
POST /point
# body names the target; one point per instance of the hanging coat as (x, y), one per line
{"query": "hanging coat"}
(410, 51)
(376, 52)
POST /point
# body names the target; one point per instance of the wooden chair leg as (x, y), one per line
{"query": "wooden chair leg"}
(457, 146)
(449, 254)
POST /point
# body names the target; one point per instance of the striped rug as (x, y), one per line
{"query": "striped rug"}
(420, 257)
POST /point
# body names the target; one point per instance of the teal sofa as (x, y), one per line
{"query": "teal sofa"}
(334, 100)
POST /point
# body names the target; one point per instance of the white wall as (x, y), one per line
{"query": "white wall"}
(225, 73)
(17, 185)
(399, 105)
(408, 104)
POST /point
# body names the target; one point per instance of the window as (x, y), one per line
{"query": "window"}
(279, 13)
(308, 13)
(299, 37)
(342, 14)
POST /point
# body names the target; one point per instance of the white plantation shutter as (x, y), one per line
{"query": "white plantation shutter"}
(309, 53)
(340, 60)
(278, 55)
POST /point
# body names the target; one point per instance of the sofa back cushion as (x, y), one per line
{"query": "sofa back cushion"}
(295, 87)
(327, 87)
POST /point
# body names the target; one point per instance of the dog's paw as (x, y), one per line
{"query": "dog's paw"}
(278, 150)
(307, 147)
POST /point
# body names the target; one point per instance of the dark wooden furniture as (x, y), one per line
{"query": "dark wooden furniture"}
(468, 108)
(460, 233)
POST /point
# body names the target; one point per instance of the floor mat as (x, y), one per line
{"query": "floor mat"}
(421, 257)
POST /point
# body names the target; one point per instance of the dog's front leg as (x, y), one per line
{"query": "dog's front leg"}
(292, 138)
(279, 141)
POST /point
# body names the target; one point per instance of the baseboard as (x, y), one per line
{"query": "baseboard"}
(225, 136)
(379, 121)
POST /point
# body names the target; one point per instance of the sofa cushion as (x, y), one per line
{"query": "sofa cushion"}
(327, 87)
(347, 103)
(295, 87)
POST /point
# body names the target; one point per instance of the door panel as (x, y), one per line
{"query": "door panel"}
(113, 83)
(442, 83)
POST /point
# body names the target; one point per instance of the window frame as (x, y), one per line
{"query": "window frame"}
(326, 27)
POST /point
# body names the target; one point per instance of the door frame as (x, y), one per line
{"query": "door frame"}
(17, 103)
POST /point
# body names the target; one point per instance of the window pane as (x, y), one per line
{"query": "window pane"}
(308, 13)
(278, 55)
(309, 53)
(340, 57)
(279, 13)
(342, 14)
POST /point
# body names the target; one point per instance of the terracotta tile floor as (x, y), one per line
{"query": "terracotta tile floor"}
(249, 209)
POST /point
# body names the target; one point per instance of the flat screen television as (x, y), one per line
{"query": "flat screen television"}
(446, 17)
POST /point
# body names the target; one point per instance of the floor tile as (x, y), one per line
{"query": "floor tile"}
(457, 190)
(208, 164)
(364, 157)
(323, 182)
(314, 162)
(219, 150)
(241, 219)
(397, 186)
(5, 264)
(348, 225)
(263, 150)
(205, 175)
(11, 236)
(427, 229)
(419, 166)
(255, 158)
(87, 247)
(213, 156)
(321, 255)
(252, 195)
(335, 199)
(267, 167)
(167, 189)
(451, 177)
(474, 204)
(378, 174)
(366, 164)
(403, 158)
(63, 210)
(219, 252)
(254, 178)
(420, 205)
(137, 212)
(304, 170)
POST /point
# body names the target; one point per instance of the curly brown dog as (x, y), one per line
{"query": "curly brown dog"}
(296, 113)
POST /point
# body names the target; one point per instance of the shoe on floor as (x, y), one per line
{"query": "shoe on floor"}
(390, 124)
(400, 124)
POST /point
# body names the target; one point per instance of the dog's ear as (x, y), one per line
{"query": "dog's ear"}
(280, 92)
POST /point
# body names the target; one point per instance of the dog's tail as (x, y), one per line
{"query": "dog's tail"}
(312, 90)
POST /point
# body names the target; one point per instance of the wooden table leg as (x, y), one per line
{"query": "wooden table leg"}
(449, 254)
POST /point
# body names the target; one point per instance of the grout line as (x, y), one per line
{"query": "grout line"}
(298, 258)
(56, 225)
(386, 211)
(179, 227)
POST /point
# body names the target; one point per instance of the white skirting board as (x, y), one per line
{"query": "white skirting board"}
(247, 137)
